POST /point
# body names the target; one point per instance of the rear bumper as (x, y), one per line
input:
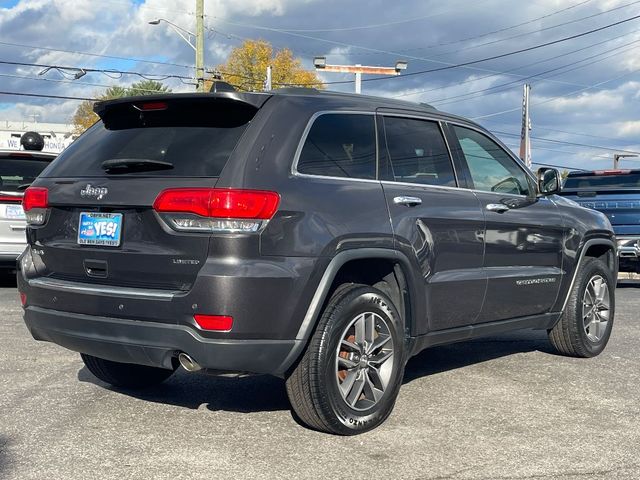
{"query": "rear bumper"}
(155, 344)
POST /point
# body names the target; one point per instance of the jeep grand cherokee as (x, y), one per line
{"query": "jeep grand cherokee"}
(322, 237)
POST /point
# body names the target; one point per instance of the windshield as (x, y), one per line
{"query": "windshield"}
(599, 182)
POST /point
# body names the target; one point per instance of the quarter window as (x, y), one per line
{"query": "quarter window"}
(340, 145)
(417, 152)
(491, 168)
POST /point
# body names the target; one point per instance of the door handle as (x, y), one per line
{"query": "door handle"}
(497, 207)
(407, 201)
(18, 228)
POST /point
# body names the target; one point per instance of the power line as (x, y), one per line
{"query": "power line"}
(98, 55)
(474, 94)
(75, 82)
(566, 167)
(448, 66)
(146, 76)
(501, 30)
(42, 95)
(558, 97)
(472, 80)
(570, 22)
(508, 54)
(597, 147)
(378, 25)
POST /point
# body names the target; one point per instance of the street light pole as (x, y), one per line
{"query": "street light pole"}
(200, 45)
(199, 37)
(321, 64)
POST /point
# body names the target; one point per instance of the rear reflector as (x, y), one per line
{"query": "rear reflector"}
(23, 299)
(35, 197)
(218, 323)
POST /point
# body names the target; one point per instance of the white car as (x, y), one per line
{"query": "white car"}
(17, 170)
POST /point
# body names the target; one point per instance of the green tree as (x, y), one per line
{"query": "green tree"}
(247, 64)
(84, 116)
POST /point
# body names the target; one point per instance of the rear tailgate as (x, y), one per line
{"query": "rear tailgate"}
(101, 226)
(614, 193)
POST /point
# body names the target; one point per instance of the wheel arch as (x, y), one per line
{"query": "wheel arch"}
(385, 266)
(601, 248)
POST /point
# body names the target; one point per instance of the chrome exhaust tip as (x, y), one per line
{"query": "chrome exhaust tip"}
(188, 363)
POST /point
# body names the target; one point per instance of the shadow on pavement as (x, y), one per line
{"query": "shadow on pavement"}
(628, 284)
(458, 355)
(7, 280)
(257, 393)
(263, 393)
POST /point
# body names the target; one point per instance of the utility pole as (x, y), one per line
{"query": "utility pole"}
(525, 135)
(618, 156)
(267, 82)
(200, 45)
(321, 64)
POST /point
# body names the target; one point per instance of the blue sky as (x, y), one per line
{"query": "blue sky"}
(586, 91)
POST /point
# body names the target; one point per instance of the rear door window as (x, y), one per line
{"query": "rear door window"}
(340, 145)
(196, 140)
(417, 152)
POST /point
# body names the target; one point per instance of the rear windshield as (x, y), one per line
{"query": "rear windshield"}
(593, 182)
(17, 172)
(196, 140)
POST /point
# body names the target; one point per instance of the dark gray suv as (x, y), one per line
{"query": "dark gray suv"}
(321, 237)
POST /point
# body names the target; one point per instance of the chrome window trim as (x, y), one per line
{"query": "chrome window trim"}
(103, 290)
(305, 134)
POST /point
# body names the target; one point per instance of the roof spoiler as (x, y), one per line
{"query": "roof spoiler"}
(255, 100)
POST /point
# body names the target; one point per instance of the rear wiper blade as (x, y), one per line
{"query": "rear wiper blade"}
(134, 164)
(24, 186)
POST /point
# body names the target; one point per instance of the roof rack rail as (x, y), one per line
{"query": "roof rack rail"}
(296, 90)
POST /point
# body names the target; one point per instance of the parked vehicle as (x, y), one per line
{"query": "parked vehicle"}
(616, 193)
(325, 238)
(18, 168)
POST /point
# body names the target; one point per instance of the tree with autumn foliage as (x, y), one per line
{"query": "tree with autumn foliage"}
(84, 116)
(246, 68)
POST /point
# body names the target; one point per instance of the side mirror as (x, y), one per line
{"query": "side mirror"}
(549, 181)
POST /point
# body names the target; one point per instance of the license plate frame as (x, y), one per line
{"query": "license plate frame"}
(100, 229)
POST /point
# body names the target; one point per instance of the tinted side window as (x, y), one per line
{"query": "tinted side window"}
(491, 168)
(340, 145)
(417, 152)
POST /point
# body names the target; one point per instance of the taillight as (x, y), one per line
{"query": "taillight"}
(216, 210)
(35, 203)
(218, 323)
(6, 198)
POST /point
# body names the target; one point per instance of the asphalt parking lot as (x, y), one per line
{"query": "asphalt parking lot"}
(498, 408)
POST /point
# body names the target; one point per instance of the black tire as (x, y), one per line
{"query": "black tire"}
(125, 375)
(570, 336)
(314, 386)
